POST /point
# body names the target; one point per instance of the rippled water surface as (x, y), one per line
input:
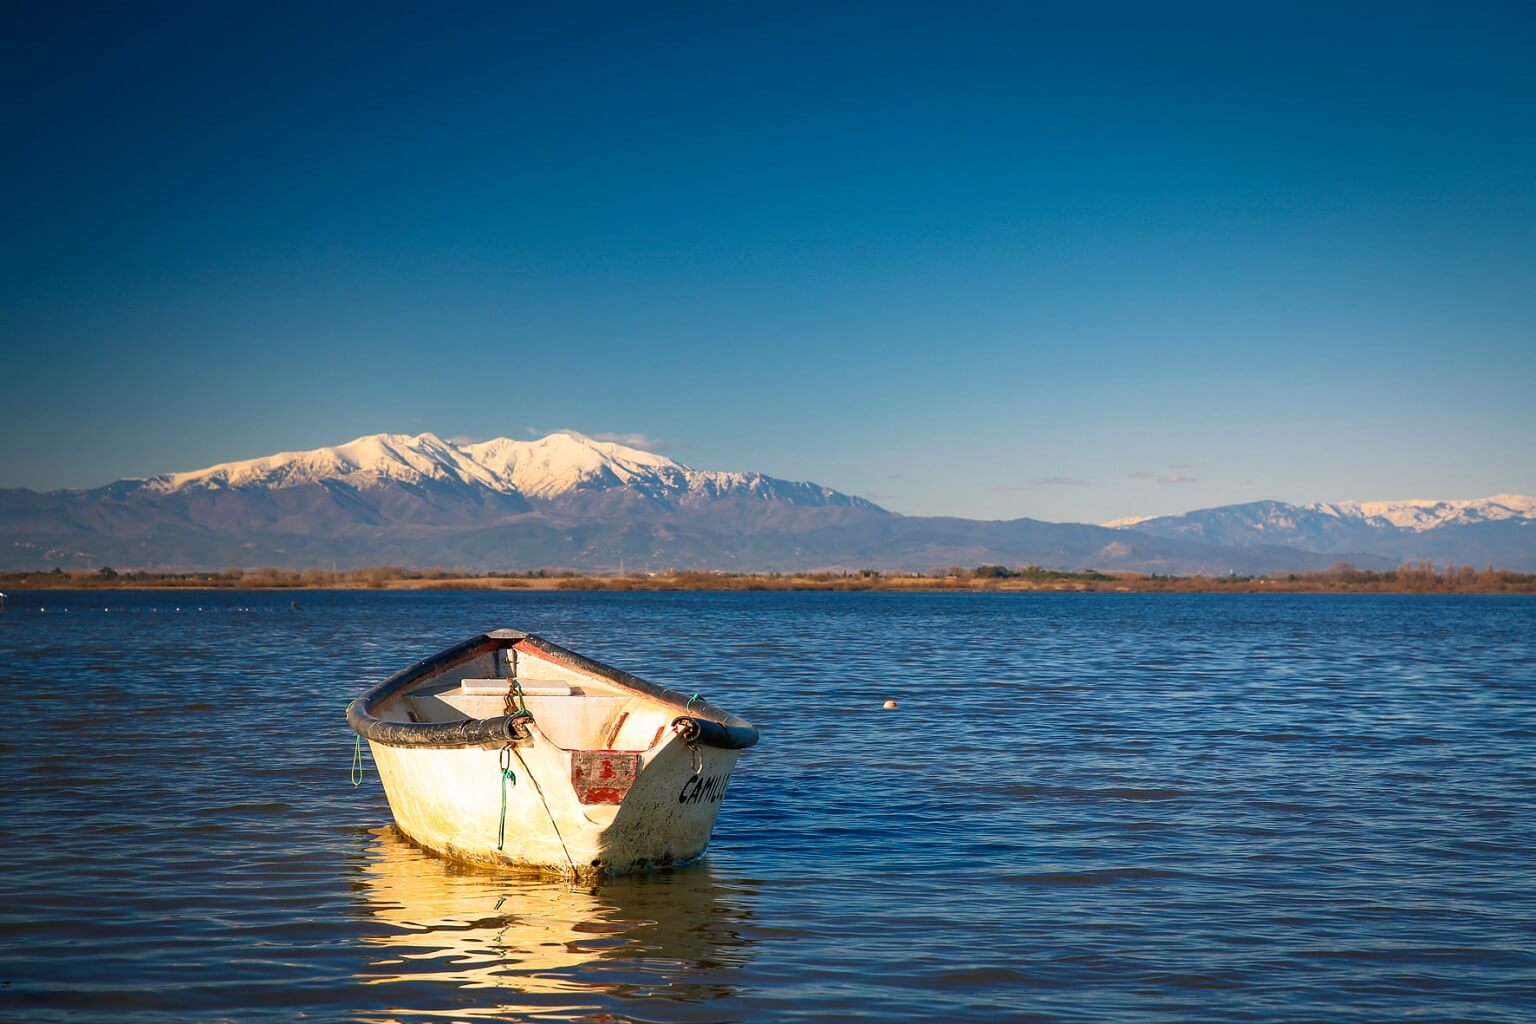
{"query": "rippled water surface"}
(1087, 808)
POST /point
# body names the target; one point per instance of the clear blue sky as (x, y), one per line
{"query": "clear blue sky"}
(1070, 262)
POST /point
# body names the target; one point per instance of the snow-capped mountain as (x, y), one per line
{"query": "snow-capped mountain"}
(1500, 529)
(548, 469)
(566, 500)
(561, 500)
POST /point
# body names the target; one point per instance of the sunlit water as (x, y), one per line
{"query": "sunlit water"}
(1087, 808)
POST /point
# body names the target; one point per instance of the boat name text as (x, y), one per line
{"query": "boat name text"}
(708, 789)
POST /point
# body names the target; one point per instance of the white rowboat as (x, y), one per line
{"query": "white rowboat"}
(509, 750)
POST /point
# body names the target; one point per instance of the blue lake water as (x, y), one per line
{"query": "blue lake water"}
(1088, 807)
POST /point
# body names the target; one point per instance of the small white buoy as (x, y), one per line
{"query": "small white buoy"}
(890, 705)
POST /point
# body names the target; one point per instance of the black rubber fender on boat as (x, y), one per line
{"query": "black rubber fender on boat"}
(474, 732)
(469, 733)
(714, 734)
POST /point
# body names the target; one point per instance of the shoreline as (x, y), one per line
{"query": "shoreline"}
(1037, 581)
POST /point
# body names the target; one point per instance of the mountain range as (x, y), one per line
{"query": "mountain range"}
(567, 500)
(1500, 529)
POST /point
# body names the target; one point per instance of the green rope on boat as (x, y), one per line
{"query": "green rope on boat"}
(520, 710)
(501, 826)
(697, 696)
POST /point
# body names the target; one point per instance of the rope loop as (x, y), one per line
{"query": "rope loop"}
(504, 762)
(357, 752)
(515, 712)
(695, 697)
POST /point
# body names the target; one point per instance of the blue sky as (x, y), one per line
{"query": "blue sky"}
(1069, 262)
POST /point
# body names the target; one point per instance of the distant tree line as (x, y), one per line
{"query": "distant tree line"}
(1413, 577)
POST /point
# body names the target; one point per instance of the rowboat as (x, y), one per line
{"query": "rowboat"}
(509, 750)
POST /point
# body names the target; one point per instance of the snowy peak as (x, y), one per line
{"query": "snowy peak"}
(561, 466)
(364, 462)
(1420, 514)
(1119, 524)
(567, 461)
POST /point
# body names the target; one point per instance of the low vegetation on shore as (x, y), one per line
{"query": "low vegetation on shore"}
(1419, 577)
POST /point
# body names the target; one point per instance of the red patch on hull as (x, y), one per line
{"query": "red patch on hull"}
(603, 776)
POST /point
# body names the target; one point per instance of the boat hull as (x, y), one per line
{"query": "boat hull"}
(450, 801)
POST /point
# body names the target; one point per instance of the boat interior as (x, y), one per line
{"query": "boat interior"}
(573, 709)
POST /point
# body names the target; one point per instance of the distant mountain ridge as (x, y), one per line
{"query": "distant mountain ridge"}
(1499, 529)
(1417, 514)
(566, 500)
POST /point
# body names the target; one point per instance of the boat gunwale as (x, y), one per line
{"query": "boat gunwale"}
(713, 726)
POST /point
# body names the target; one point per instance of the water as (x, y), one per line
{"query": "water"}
(1090, 807)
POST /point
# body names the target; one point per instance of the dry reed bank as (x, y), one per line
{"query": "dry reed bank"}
(1421, 577)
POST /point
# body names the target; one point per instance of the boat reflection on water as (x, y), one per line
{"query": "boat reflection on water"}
(461, 941)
